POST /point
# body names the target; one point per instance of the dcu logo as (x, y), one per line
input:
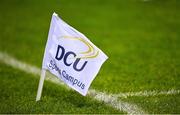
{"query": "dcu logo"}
(79, 63)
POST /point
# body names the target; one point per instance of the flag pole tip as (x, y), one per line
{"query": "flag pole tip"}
(55, 14)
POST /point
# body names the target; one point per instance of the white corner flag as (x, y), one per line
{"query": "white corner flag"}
(70, 56)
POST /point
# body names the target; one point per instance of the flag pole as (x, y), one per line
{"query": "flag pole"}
(40, 87)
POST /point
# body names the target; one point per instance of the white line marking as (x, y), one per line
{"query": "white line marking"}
(147, 93)
(109, 99)
(113, 101)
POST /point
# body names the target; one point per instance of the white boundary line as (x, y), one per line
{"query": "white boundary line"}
(110, 99)
(147, 93)
(113, 101)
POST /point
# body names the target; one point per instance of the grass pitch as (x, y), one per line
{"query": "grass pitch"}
(140, 37)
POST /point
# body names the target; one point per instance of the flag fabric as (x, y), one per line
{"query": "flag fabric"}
(71, 56)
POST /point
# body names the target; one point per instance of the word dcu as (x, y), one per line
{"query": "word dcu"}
(71, 56)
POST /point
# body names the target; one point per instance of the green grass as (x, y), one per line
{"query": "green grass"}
(18, 92)
(141, 39)
(158, 104)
